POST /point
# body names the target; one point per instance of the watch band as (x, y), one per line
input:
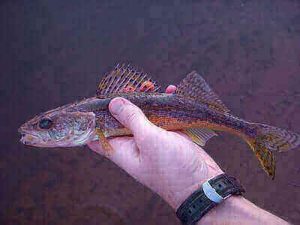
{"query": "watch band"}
(210, 194)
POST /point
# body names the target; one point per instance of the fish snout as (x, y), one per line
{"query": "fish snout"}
(21, 129)
(27, 137)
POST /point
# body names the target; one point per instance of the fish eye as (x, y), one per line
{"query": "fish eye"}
(45, 123)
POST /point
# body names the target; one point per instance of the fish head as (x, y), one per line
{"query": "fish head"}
(58, 128)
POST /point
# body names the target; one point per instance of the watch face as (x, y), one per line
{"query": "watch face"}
(211, 193)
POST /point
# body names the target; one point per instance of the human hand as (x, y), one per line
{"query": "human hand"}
(169, 163)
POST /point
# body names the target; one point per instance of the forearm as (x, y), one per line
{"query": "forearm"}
(235, 210)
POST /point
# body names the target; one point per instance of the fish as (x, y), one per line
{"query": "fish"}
(194, 109)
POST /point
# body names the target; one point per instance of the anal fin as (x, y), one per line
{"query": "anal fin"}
(200, 135)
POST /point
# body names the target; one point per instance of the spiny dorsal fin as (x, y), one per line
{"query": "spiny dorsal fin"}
(125, 79)
(200, 135)
(195, 87)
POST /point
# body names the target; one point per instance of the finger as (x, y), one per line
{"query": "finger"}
(125, 155)
(170, 89)
(131, 117)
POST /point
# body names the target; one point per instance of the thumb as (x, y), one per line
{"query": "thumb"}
(130, 116)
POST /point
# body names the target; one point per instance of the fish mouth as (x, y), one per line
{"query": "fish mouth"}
(31, 139)
(27, 138)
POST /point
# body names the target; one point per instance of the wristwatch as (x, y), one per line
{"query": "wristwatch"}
(210, 194)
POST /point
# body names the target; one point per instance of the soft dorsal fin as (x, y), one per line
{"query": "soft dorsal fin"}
(125, 79)
(196, 88)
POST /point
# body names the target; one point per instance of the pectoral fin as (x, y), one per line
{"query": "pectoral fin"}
(107, 148)
(200, 135)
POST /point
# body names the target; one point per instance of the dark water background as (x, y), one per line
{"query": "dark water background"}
(53, 52)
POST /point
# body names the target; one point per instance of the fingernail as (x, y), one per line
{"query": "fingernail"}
(116, 106)
(171, 89)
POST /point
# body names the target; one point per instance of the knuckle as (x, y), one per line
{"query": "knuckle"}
(131, 117)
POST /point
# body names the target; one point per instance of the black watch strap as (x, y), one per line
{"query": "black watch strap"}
(206, 197)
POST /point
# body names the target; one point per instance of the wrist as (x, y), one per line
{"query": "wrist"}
(236, 209)
(217, 202)
(177, 198)
(228, 211)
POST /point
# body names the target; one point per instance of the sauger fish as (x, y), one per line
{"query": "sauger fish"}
(193, 109)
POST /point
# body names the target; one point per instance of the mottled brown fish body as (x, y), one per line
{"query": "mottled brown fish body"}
(168, 111)
(193, 109)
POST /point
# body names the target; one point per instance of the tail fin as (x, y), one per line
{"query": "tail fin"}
(269, 140)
